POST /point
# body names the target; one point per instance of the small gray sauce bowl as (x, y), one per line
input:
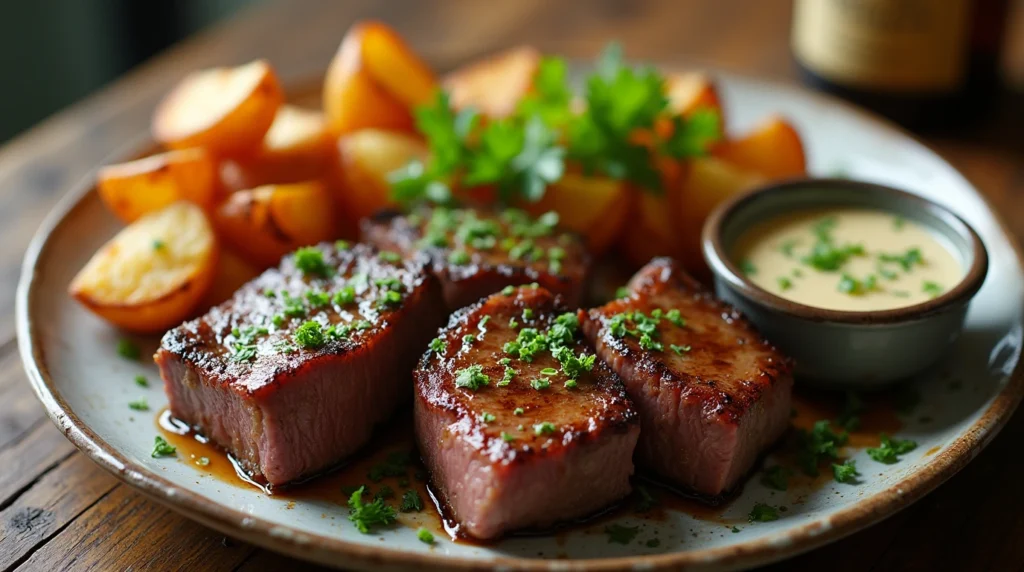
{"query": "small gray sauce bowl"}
(849, 349)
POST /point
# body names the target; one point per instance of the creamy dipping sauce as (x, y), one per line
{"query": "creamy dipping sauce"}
(848, 259)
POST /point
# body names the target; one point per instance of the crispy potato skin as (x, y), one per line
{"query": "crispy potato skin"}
(594, 207)
(154, 273)
(226, 111)
(773, 149)
(135, 188)
(296, 148)
(365, 158)
(265, 223)
(374, 81)
(494, 85)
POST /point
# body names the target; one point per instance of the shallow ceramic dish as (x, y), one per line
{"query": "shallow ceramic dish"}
(840, 348)
(70, 358)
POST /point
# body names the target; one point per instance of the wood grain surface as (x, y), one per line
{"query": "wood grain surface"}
(58, 510)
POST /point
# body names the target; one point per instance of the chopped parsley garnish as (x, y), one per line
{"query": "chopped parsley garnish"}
(649, 343)
(468, 339)
(549, 371)
(128, 349)
(389, 283)
(890, 449)
(747, 267)
(527, 314)
(784, 283)
(734, 529)
(544, 428)
(384, 493)
(317, 299)
(906, 261)
(540, 383)
(344, 296)
(425, 536)
(139, 404)
(574, 365)
(389, 299)
(508, 290)
(675, 317)
(507, 438)
(141, 381)
(518, 411)
(506, 378)
(438, 346)
(845, 472)
(763, 513)
(310, 335)
(365, 516)
(621, 292)
(293, 307)
(161, 448)
(486, 417)
(411, 502)
(341, 245)
(389, 256)
(310, 260)
(898, 222)
(159, 245)
(776, 477)
(817, 445)
(679, 350)
(930, 288)
(621, 534)
(850, 285)
(787, 248)
(472, 377)
(459, 257)
(828, 257)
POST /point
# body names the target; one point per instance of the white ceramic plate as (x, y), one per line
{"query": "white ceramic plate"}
(85, 386)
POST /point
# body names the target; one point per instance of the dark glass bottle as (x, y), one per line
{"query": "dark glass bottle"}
(924, 63)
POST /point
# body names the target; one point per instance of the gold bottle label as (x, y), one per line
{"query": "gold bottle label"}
(907, 46)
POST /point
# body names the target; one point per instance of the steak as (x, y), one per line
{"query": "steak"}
(291, 375)
(711, 393)
(512, 435)
(478, 252)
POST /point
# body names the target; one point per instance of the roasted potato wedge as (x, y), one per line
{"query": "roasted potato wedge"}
(705, 182)
(154, 273)
(366, 157)
(494, 85)
(595, 207)
(773, 149)
(296, 148)
(232, 272)
(133, 189)
(265, 223)
(226, 111)
(375, 81)
(688, 92)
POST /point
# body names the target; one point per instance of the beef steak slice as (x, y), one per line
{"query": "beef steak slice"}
(476, 252)
(711, 393)
(291, 374)
(510, 438)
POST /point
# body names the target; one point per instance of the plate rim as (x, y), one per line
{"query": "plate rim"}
(324, 549)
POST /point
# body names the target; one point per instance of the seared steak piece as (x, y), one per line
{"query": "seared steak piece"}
(514, 436)
(291, 375)
(477, 252)
(712, 394)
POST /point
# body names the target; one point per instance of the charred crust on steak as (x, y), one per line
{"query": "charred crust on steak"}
(596, 406)
(513, 247)
(717, 334)
(208, 343)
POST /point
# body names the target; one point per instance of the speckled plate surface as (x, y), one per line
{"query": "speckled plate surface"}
(85, 386)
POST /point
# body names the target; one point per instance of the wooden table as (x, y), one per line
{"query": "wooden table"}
(58, 509)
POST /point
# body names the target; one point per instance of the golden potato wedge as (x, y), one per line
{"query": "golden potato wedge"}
(595, 207)
(135, 188)
(706, 182)
(366, 157)
(232, 272)
(494, 85)
(154, 273)
(690, 91)
(265, 223)
(773, 149)
(226, 111)
(296, 148)
(375, 81)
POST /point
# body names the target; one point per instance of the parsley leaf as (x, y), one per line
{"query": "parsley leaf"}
(846, 472)
(763, 513)
(472, 377)
(889, 450)
(161, 448)
(367, 515)
(411, 502)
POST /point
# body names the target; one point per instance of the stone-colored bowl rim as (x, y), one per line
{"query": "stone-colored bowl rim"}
(326, 549)
(873, 195)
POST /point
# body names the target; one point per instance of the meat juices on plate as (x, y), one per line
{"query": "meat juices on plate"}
(711, 393)
(477, 252)
(291, 375)
(518, 423)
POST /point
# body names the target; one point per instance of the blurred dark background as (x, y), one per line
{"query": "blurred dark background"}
(54, 52)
